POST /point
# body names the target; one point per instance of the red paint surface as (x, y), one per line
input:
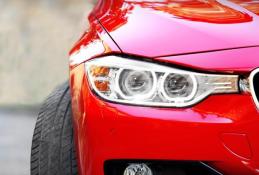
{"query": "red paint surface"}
(252, 5)
(105, 131)
(230, 61)
(108, 131)
(238, 144)
(178, 27)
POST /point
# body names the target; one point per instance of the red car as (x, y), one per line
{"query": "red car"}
(157, 87)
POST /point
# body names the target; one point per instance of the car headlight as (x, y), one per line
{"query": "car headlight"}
(135, 82)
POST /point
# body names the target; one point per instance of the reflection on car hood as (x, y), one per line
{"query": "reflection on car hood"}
(171, 27)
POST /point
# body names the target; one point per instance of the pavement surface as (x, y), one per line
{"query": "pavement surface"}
(16, 130)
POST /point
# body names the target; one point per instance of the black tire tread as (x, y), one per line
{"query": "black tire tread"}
(53, 151)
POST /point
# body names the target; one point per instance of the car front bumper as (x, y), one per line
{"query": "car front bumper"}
(221, 131)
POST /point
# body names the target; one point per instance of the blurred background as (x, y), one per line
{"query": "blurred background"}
(35, 38)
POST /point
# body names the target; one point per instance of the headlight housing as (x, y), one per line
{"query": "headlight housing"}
(135, 82)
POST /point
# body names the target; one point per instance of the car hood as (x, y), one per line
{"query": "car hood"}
(172, 27)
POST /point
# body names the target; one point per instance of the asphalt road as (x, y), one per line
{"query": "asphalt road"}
(16, 129)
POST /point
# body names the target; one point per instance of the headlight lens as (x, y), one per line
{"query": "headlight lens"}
(135, 84)
(143, 83)
(178, 86)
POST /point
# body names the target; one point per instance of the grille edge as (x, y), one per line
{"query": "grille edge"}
(254, 86)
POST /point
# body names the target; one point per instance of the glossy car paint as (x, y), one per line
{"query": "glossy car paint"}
(221, 131)
(212, 25)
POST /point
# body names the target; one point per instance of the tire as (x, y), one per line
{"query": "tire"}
(53, 150)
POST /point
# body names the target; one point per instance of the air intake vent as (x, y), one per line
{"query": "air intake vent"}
(254, 83)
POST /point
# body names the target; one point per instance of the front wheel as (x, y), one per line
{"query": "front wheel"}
(53, 151)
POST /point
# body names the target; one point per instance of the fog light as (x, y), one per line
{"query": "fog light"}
(138, 169)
